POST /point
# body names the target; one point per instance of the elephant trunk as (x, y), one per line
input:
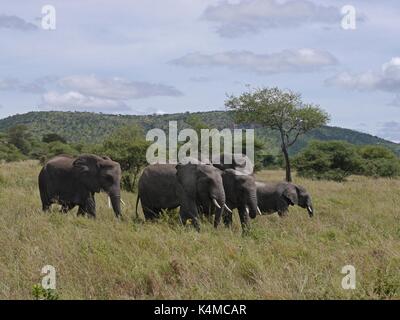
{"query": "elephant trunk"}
(217, 196)
(218, 200)
(252, 205)
(115, 196)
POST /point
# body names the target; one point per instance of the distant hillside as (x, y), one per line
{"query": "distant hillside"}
(89, 127)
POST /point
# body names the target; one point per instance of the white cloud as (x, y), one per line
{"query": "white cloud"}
(250, 16)
(14, 22)
(116, 88)
(291, 60)
(387, 79)
(75, 101)
(91, 93)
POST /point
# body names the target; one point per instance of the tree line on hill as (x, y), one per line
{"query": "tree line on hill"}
(273, 109)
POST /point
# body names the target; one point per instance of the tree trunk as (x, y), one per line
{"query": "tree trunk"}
(284, 147)
(287, 163)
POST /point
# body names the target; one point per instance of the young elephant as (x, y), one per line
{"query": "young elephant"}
(276, 197)
(241, 194)
(74, 181)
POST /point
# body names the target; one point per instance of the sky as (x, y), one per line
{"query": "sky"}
(167, 56)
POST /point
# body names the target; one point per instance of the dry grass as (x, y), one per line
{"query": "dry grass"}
(356, 223)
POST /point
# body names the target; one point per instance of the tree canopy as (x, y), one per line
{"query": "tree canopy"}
(280, 110)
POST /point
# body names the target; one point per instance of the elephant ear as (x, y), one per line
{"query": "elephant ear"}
(187, 178)
(290, 194)
(88, 168)
(86, 164)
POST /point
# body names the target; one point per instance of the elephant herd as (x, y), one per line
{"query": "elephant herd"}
(197, 188)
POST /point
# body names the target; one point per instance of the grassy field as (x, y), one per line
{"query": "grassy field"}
(356, 223)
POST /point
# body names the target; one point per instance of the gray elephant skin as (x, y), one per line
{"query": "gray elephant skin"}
(72, 182)
(277, 197)
(241, 194)
(188, 186)
(240, 188)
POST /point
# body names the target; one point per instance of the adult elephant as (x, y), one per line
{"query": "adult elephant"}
(200, 186)
(190, 186)
(277, 197)
(241, 194)
(157, 190)
(73, 182)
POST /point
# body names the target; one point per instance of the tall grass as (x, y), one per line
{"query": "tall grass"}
(356, 222)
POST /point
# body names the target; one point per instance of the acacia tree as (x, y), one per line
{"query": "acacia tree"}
(280, 110)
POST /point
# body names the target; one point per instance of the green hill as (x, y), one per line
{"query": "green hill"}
(89, 127)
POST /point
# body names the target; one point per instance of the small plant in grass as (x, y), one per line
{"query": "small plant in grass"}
(40, 293)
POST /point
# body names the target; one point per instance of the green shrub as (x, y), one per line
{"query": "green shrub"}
(332, 160)
(335, 160)
(40, 293)
(379, 161)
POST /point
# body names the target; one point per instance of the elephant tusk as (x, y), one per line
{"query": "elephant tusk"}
(227, 208)
(122, 201)
(216, 204)
(109, 202)
(247, 210)
(259, 211)
(310, 209)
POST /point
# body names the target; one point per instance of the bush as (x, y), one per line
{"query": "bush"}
(379, 161)
(9, 152)
(335, 160)
(332, 160)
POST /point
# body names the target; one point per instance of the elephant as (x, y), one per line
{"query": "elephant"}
(72, 181)
(241, 194)
(191, 187)
(240, 188)
(201, 186)
(157, 190)
(276, 197)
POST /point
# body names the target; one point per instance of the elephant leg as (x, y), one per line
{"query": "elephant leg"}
(81, 211)
(150, 213)
(46, 203)
(88, 207)
(194, 220)
(244, 220)
(283, 213)
(227, 217)
(217, 218)
(67, 207)
(91, 206)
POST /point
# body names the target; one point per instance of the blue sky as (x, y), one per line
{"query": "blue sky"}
(165, 56)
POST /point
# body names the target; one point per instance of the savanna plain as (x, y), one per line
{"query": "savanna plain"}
(356, 222)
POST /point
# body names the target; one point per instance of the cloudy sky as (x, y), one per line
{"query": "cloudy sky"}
(164, 56)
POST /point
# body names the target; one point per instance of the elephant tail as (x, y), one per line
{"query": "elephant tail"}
(44, 197)
(137, 202)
